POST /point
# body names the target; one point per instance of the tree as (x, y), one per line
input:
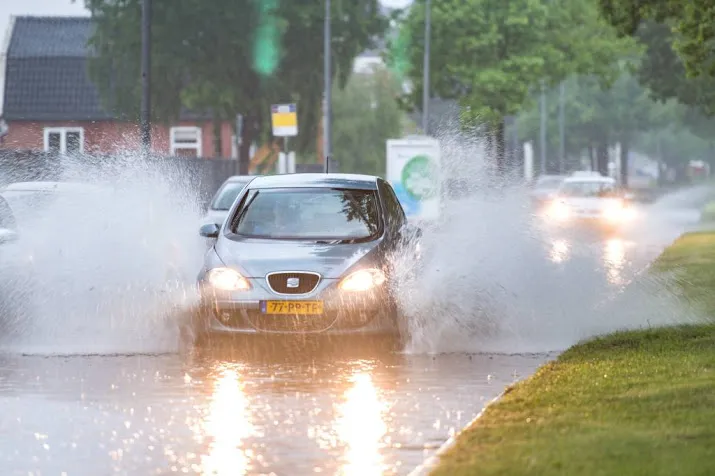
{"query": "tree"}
(229, 57)
(490, 54)
(690, 20)
(598, 117)
(366, 115)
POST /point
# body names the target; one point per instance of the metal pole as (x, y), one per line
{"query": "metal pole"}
(562, 127)
(542, 135)
(425, 68)
(146, 77)
(327, 80)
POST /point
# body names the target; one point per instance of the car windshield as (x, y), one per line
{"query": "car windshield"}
(314, 214)
(588, 189)
(548, 183)
(226, 196)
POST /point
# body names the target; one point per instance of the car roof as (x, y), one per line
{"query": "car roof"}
(240, 178)
(590, 178)
(310, 180)
(51, 187)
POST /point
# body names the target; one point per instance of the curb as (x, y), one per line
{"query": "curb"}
(430, 463)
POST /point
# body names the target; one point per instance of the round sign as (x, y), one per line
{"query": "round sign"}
(420, 177)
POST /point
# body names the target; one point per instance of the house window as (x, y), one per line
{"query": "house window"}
(185, 141)
(64, 140)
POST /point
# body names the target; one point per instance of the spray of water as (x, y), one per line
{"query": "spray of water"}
(495, 278)
(103, 266)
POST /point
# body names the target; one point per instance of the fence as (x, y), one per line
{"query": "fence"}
(204, 175)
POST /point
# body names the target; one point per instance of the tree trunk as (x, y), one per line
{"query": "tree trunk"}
(591, 158)
(499, 150)
(248, 134)
(624, 164)
(218, 146)
(602, 158)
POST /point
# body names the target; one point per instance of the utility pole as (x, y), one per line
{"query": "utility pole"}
(562, 127)
(425, 68)
(328, 84)
(542, 135)
(146, 77)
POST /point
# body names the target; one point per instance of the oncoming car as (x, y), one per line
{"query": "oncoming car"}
(305, 253)
(592, 199)
(224, 198)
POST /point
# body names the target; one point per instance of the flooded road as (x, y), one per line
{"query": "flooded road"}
(277, 407)
(217, 412)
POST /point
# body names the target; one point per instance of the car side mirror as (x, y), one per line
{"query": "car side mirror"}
(209, 230)
(7, 236)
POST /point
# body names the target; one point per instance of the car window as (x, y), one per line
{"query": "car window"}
(395, 212)
(589, 189)
(548, 183)
(227, 195)
(320, 213)
(7, 218)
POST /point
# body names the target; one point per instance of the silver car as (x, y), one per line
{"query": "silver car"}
(305, 253)
(224, 198)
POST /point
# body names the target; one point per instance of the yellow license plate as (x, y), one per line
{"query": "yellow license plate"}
(292, 307)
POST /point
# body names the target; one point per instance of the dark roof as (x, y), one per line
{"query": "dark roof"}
(46, 75)
(355, 181)
(41, 37)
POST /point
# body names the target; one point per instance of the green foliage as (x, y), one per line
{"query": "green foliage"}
(203, 57)
(365, 116)
(490, 54)
(600, 115)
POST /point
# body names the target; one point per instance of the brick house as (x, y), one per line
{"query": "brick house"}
(50, 103)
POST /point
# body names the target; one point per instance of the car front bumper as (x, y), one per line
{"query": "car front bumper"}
(367, 312)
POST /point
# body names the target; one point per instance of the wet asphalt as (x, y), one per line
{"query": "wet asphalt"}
(263, 407)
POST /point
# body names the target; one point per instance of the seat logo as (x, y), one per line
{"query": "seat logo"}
(292, 282)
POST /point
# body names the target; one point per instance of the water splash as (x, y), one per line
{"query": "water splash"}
(496, 278)
(107, 267)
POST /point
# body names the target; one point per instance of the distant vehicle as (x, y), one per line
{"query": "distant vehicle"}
(305, 253)
(590, 198)
(8, 224)
(28, 198)
(545, 188)
(224, 198)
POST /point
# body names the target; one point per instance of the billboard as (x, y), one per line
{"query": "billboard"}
(413, 170)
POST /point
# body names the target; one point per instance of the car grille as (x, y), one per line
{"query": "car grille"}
(306, 282)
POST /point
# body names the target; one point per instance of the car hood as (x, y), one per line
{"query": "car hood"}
(591, 204)
(260, 257)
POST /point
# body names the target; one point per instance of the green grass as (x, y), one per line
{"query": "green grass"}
(630, 403)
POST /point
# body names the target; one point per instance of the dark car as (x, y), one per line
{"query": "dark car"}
(305, 253)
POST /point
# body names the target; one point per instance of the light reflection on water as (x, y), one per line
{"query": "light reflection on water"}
(614, 258)
(361, 427)
(227, 424)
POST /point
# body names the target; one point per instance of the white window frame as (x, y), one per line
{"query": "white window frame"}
(63, 131)
(174, 146)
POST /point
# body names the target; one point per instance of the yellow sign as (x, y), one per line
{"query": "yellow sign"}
(284, 119)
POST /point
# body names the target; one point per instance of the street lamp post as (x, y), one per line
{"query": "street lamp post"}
(327, 80)
(146, 77)
(425, 68)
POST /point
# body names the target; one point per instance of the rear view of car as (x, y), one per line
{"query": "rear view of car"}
(224, 197)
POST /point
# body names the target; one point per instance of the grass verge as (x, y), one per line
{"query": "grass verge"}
(630, 403)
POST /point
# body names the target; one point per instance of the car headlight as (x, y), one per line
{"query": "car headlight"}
(227, 279)
(617, 212)
(363, 280)
(559, 210)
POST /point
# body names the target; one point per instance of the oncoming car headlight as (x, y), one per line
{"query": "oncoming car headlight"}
(617, 212)
(363, 280)
(559, 210)
(227, 279)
